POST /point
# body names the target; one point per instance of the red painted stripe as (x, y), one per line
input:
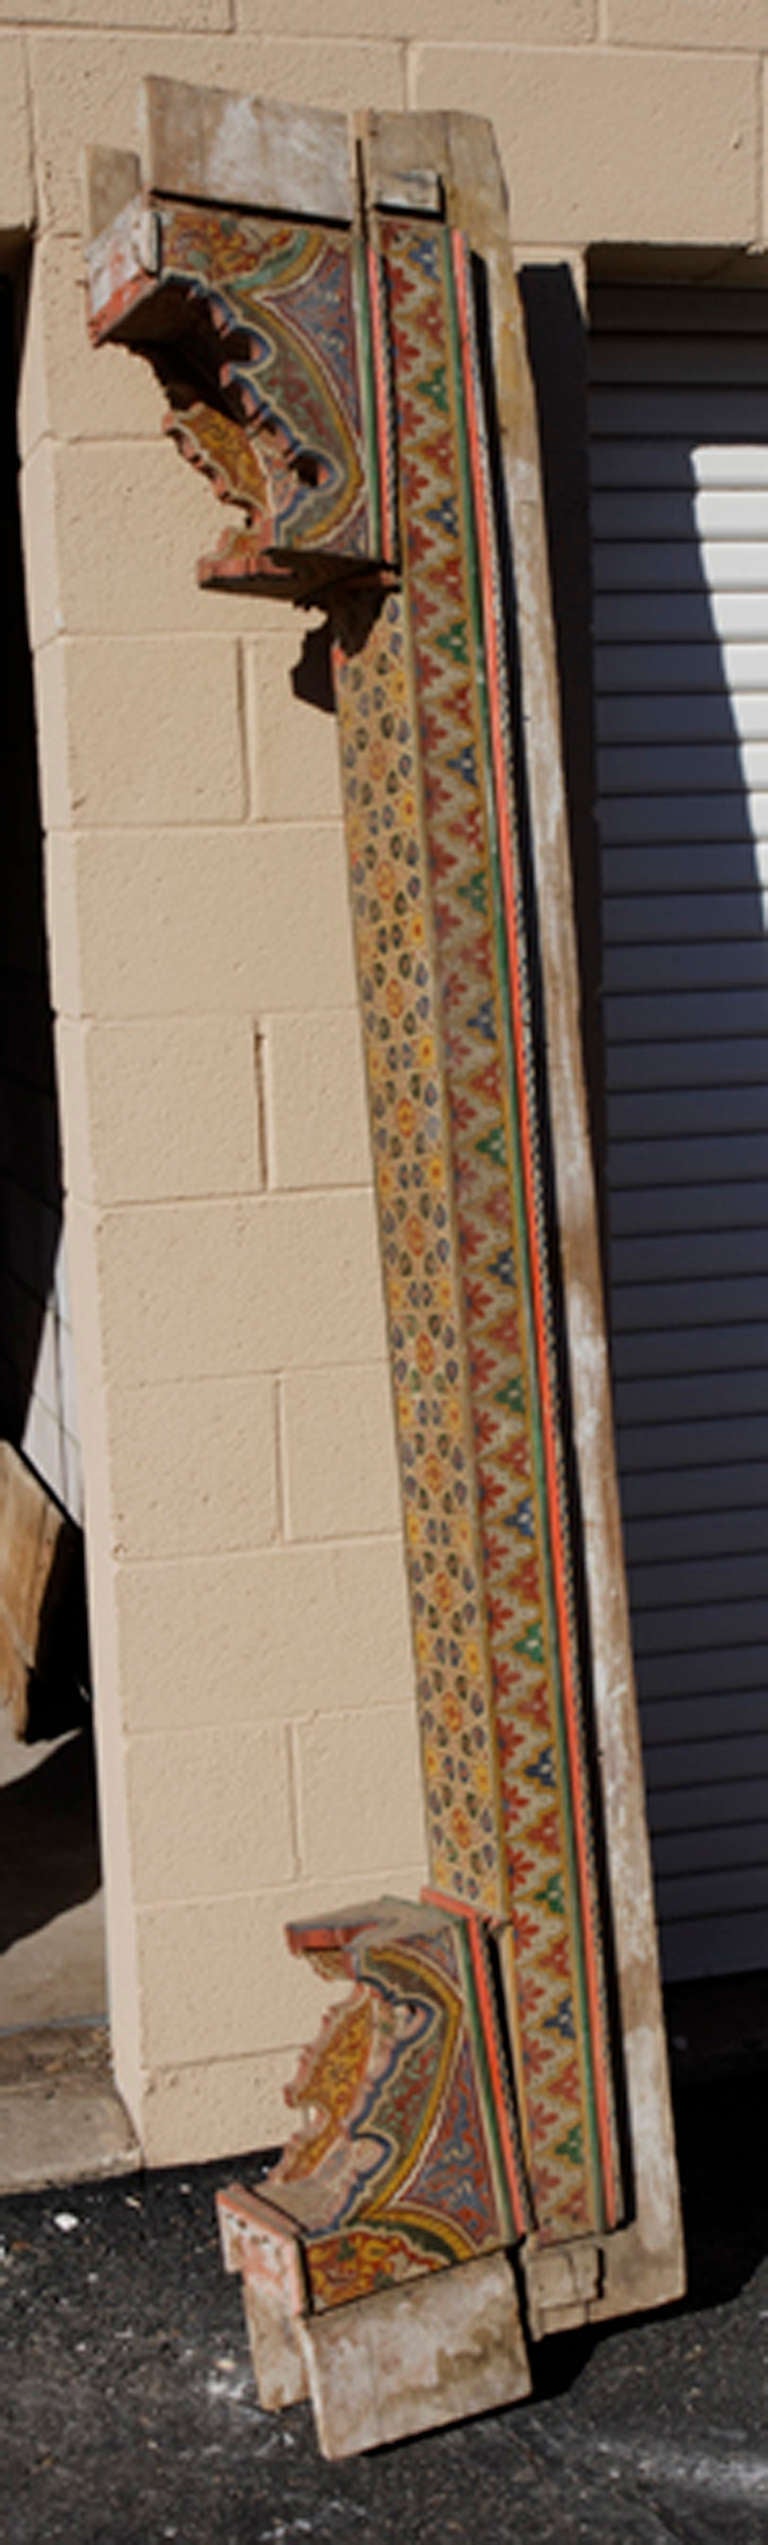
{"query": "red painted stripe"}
(506, 844)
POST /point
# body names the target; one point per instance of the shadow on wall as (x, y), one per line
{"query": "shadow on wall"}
(671, 917)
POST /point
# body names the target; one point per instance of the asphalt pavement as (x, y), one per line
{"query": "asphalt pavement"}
(129, 2414)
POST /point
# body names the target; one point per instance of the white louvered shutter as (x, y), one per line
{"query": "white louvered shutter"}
(679, 463)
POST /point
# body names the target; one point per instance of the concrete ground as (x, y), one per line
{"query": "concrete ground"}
(60, 2117)
(129, 2414)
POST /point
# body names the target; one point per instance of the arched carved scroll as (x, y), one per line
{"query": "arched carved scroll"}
(497, 2079)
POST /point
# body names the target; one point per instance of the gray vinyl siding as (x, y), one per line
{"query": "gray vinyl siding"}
(679, 467)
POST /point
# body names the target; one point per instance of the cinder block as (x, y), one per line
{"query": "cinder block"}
(82, 1239)
(315, 1281)
(727, 26)
(339, 1448)
(359, 1793)
(63, 930)
(85, 396)
(209, 1815)
(140, 730)
(162, 1292)
(17, 191)
(158, 1110)
(37, 497)
(85, 86)
(131, 520)
(316, 1105)
(217, 1981)
(75, 1111)
(54, 741)
(598, 145)
(220, 2107)
(326, 70)
(246, 920)
(296, 1630)
(293, 745)
(120, 14)
(219, 1289)
(510, 21)
(66, 387)
(193, 1467)
(32, 408)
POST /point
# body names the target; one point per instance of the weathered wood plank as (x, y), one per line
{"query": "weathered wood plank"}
(37, 1545)
(643, 2263)
(250, 151)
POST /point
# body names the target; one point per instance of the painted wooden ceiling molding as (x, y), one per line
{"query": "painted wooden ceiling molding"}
(346, 361)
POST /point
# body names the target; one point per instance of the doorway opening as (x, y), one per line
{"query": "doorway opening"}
(52, 1963)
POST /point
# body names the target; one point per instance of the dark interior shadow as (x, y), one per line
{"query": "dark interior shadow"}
(312, 676)
(30, 1180)
(31, 1204)
(722, 2133)
(58, 1685)
(49, 1841)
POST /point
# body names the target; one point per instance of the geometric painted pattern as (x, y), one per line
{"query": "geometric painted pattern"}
(444, 992)
(397, 2167)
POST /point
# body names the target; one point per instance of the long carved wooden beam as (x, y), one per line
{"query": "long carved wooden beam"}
(346, 361)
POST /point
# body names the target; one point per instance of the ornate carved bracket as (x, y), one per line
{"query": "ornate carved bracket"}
(268, 336)
(328, 358)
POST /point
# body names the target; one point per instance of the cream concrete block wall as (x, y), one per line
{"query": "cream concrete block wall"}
(204, 985)
(254, 1677)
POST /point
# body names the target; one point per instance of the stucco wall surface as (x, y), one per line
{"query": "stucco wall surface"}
(254, 1681)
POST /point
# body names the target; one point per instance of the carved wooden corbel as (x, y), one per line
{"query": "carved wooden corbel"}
(346, 361)
(265, 333)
